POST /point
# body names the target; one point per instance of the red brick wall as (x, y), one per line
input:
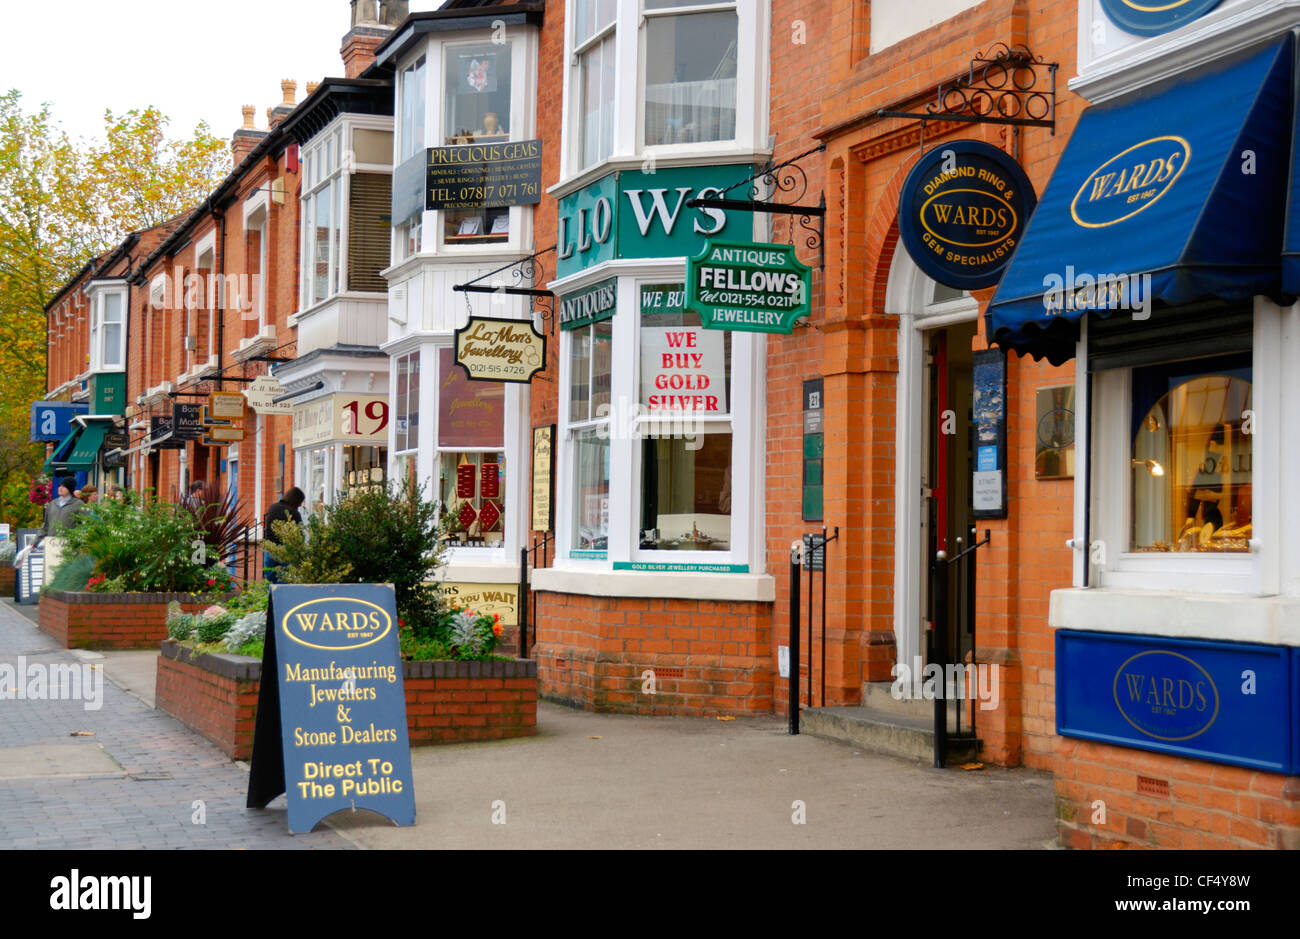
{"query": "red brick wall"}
(446, 702)
(108, 621)
(219, 708)
(1156, 801)
(708, 657)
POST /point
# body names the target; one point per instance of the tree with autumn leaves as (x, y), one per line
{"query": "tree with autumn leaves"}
(64, 202)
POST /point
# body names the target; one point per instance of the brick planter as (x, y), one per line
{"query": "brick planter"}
(110, 620)
(212, 694)
(446, 702)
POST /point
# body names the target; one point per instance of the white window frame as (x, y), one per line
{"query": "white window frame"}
(98, 301)
(754, 27)
(1255, 573)
(746, 399)
(321, 167)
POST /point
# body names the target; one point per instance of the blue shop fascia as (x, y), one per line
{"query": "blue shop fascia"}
(1164, 258)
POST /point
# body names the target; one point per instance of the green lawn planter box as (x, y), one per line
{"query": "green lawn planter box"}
(446, 702)
(110, 620)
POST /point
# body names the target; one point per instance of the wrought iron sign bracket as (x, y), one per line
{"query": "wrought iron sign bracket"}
(787, 177)
(1001, 87)
(527, 269)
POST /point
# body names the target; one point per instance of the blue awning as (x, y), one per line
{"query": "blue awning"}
(1172, 194)
(1291, 248)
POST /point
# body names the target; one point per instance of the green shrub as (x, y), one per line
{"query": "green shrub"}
(213, 628)
(372, 536)
(72, 574)
(152, 547)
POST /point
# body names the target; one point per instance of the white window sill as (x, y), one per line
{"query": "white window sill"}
(486, 570)
(744, 588)
(1270, 620)
(664, 157)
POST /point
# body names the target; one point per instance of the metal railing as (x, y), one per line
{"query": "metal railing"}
(951, 639)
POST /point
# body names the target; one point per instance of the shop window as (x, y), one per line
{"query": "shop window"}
(317, 489)
(406, 406)
(590, 379)
(690, 72)
(1190, 460)
(684, 427)
(471, 455)
(364, 467)
(478, 110)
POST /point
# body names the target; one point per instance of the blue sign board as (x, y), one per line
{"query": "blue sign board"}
(52, 420)
(341, 706)
(1145, 18)
(1225, 702)
(986, 459)
(962, 211)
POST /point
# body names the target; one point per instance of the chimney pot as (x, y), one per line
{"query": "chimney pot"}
(311, 87)
(249, 110)
(290, 89)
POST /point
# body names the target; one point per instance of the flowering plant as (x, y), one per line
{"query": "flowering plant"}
(474, 635)
(40, 491)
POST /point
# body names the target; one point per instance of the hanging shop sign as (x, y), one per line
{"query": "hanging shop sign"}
(261, 395)
(632, 214)
(589, 305)
(52, 420)
(748, 287)
(484, 176)
(989, 483)
(1206, 700)
(357, 420)
(1153, 17)
(683, 370)
(160, 427)
(963, 210)
(226, 405)
(543, 477)
(497, 350)
(187, 421)
(341, 739)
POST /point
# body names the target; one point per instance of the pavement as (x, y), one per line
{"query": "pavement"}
(585, 781)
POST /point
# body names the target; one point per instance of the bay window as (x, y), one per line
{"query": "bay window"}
(657, 465)
(664, 74)
(594, 50)
(108, 331)
(690, 71)
(347, 194)
(413, 105)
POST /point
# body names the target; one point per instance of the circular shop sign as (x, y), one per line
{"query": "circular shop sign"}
(1153, 17)
(963, 211)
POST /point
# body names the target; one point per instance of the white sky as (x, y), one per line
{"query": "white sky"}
(86, 56)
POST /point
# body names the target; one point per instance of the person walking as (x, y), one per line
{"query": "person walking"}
(61, 513)
(284, 510)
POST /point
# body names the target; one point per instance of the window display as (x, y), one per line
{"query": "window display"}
(471, 454)
(1191, 456)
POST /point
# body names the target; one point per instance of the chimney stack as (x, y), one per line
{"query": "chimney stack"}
(372, 23)
(311, 88)
(289, 88)
(247, 137)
